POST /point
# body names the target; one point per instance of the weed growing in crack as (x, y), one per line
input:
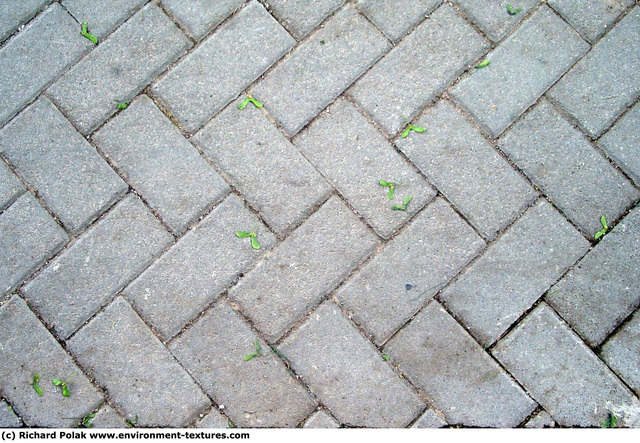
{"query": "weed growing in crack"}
(85, 33)
(410, 128)
(247, 100)
(605, 228)
(258, 352)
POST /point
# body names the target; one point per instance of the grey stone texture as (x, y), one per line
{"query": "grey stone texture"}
(591, 18)
(10, 186)
(14, 14)
(102, 16)
(302, 16)
(73, 180)
(396, 17)
(354, 157)
(8, 418)
(264, 166)
(455, 373)
(140, 375)
(119, 68)
(514, 272)
(541, 420)
(621, 352)
(199, 17)
(107, 417)
(460, 162)
(99, 264)
(259, 392)
(321, 420)
(347, 373)
(210, 77)
(320, 69)
(522, 68)
(213, 420)
(203, 263)
(492, 17)
(430, 420)
(622, 143)
(559, 371)
(28, 348)
(398, 87)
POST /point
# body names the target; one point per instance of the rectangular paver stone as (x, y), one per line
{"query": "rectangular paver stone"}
(396, 17)
(88, 274)
(119, 68)
(622, 350)
(522, 68)
(141, 376)
(459, 378)
(347, 372)
(416, 71)
(622, 143)
(591, 18)
(10, 186)
(102, 16)
(492, 17)
(302, 16)
(321, 420)
(199, 17)
(8, 418)
(320, 68)
(560, 371)
(15, 13)
(430, 419)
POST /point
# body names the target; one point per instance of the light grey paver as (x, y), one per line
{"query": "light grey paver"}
(118, 68)
(602, 289)
(199, 17)
(430, 419)
(106, 417)
(541, 420)
(591, 18)
(354, 157)
(279, 291)
(85, 277)
(603, 84)
(8, 418)
(185, 280)
(319, 69)
(458, 160)
(102, 16)
(622, 143)
(71, 177)
(14, 13)
(460, 379)
(10, 186)
(622, 350)
(492, 17)
(321, 420)
(347, 373)
(514, 272)
(223, 65)
(141, 376)
(28, 237)
(255, 393)
(301, 16)
(411, 269)
(522, 68)
(161, 164)
(28, 348)
(396, 18)
(560, 371)
(213, 420)
(416, 71)
(270, 172)
(563, 163)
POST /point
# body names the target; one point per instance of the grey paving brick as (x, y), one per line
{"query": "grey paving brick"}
(213, 420)
(396, 18)
(10, 186)
(563, 163)
(29, 236)
(71, 177)
(37, 56)
(460, 379)
(622, 143)
(8, 418)
(591, 18)
(106, 417)
(223, 65)
(347, 373)
(185, 280)
(603, 84)
(161, 164)
(354, 157)
(321, 420)
(255, 393)
(622, 350)
(118, 68)
(560, 371)
(141, 376)
(320, 69)
(458, 160)
(199, 17)
(492, 17)
(268, 170)
(85, 277)
(102, 16)
(312, 261)
(411, 269)
(301, 16)
(430, 419)
(418, 69)
(13, 14)
(522, 68)
(602, 289)
(541, 420)
(28, 348)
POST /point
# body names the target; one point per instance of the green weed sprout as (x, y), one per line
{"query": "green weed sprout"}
(391, 186)
(512, 11)
(86, 34)
(36, 386)
(404, 204)
(253, 234)
(86, 421)
(246, 101)
(483, 64)
(122, 105)
(65, 388)
(131, 422)
(605, 228)
(258, 352)
(611, 421)
(410, 128)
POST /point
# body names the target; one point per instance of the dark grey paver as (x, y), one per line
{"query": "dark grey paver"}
(591, 18)
(185, 280)
(430, 419)
(268, 170)
(102, 16)
(313, 260)
(301, 17)
(319, 69)
(199, 17)
(602, 289)
(223, 65)
(141, 376)
(10, 186)
(71, 177)
(14, 13)
(347, 373)
(321, 420)
(213, 420)
(255, 393)
(492, 17)
(118, 68)
(458, 160)
(28, 348)
(411, 269)
(354, 157)
(416, 71)
(106, 417)
(396, 18)
(8, 418)
(460, 379)
(522, 68)
(85, 277)
(161, 164)
(560, 371)
(622, 143)
(603, 84)
(541, 420)
(622, 350)
(563, 163)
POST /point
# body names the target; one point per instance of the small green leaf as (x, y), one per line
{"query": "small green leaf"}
(483, 64)
(407, 200)
(256, 343)
(256, 103)
(122, 105)
(599, 234)
(36, 386)
(385, 357)
(512, 11)
(392, 188)
(65, 391)
(254, 243)
(603, 220)
(57, 382)
(243, 234)
(406, 132)
(244, 104)
(611, 421)
(86, 34)
(418, 128)
(250, 356)
(384, 183)
(132, 422)
(398, 208)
